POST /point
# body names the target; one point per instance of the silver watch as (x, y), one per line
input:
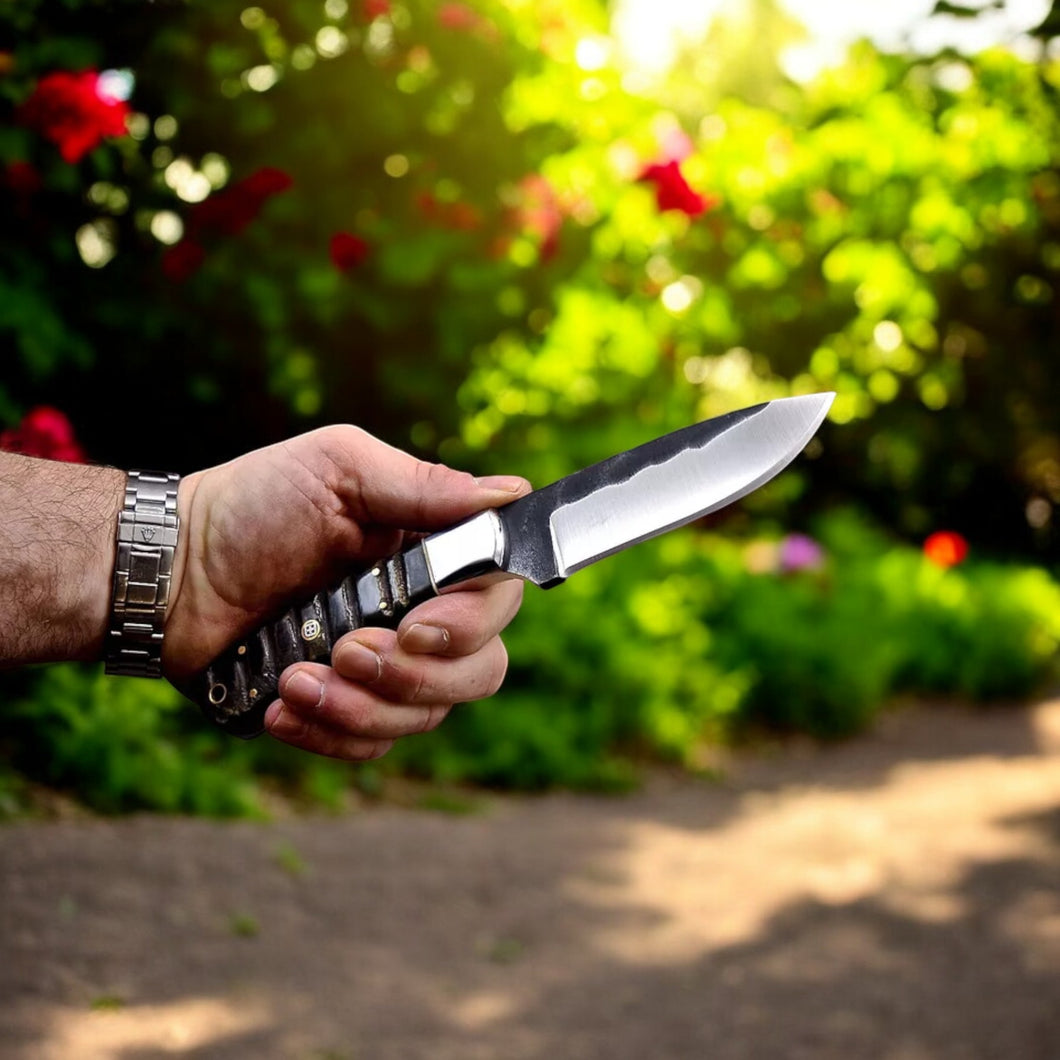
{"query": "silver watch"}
(147, 541)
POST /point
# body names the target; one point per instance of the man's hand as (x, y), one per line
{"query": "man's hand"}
(281, 523)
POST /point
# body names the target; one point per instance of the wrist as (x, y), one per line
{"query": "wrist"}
(147, 531)
(178, 583)
(94, 593)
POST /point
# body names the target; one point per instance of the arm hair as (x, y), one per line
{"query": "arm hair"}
(57, 549)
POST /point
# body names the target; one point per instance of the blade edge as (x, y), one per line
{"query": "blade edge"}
(572, 526)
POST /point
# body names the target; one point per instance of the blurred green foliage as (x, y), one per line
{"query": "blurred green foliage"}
(652, 655)
(121, 746)
(705, 649)
(515, 298)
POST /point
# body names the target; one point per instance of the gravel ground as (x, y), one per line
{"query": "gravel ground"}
(893, 898)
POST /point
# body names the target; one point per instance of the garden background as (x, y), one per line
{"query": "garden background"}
(478, 231)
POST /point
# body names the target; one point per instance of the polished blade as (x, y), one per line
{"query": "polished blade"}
(656, 487)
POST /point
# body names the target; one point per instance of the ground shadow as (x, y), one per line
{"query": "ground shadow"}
(515, 934)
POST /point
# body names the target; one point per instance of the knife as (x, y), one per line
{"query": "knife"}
(543, 537)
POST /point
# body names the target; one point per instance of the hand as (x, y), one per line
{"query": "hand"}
(283, 522)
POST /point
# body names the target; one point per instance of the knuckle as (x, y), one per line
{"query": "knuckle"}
(342, 437)
(431, 480)
(411, 685)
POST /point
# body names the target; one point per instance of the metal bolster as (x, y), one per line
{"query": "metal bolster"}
(471, 548)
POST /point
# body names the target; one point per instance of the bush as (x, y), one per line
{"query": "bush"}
(679, 642)
(648, 656)
(355, 211)
(119, 746)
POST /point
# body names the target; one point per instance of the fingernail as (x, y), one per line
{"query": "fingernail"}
(502, 483)
(425, 640)
(282, 722)
(358, 662)
(302, 691)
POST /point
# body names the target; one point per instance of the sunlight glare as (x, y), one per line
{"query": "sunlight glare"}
(116, 84)
(261, 78)
(650, 33)
(887, 335)
(680, 294)
(96, 242)
(167, 227)
(187, 181)
(592, 53)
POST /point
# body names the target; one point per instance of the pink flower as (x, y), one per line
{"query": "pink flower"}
(672, 191)
(44, 432)
(347, 251)
(71, 111)
(675, 144)
(799, 552)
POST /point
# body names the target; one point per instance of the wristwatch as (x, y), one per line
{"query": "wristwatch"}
(147, 541)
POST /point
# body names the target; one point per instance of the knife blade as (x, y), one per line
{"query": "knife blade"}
(543, 537)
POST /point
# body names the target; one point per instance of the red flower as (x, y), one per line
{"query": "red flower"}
(22, 178)
(347, 251)
(183, 260)
(265, 182)
(229, 211)
(946, 548)
(459, 215)
(70, 110)
(455, 15)
(44, 432)
(539, 214)
(672, 191)
(375, 8)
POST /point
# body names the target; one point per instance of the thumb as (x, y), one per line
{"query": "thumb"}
(393, 488)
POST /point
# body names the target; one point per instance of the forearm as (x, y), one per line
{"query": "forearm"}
(57, 547)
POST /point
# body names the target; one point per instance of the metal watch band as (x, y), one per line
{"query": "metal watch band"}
(147, 540)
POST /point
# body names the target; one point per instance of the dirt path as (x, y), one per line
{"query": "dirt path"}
(896, 898)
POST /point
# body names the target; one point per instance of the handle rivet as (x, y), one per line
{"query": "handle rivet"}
(311, 629)
(241, 650)
(253, 693)
(217, 693)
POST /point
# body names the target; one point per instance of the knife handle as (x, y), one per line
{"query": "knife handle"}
(235, 690)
